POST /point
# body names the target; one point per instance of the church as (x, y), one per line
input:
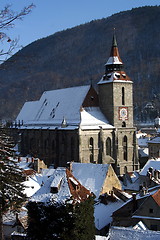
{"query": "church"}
(80, 125)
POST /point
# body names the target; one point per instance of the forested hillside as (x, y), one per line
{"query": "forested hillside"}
(75, 56)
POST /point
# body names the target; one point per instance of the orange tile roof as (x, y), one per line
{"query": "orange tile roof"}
(78, 191)
(156, 197)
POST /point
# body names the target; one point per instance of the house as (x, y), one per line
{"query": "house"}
(150, 174)
(101, 180)
(144, 207)
(154, 147)
(60, 207)
(13, 222)
(142, 139)
(78, 124)
(117, 233)
(98, 178)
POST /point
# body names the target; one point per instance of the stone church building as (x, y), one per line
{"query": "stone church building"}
(78, 124)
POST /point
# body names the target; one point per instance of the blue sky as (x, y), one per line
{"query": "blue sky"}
(50, 16)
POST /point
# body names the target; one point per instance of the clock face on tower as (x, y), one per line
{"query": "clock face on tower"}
(123, 113)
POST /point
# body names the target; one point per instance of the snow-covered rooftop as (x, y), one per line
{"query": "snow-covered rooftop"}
(103, 213)
(54, 105)
(144, 152)
(57, 106)
(93, 118)
(90, 175)
(44, 193)
(114, 60)
(117, 233)
(154, 140)
(143, 141)
(155, 164)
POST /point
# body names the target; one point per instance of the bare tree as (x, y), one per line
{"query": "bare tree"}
(8, 17)
(11, 189)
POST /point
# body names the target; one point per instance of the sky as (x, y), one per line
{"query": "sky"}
(50, 16)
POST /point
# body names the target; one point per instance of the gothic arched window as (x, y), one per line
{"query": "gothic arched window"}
(108, 146)
(125, 143)
(91, 148)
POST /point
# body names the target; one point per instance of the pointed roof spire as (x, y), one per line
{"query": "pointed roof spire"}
(114, 42)
(114, 54)
(114, 66)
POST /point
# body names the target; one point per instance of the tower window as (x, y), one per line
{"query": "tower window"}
(123, 124)
(108, 146)
(123, 96)
(125, 153)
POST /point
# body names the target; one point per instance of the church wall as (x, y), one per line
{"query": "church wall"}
(129, 161)
(55, 147)
(95, 152)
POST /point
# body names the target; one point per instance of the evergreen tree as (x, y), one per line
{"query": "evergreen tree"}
(11, 188)
(61, 221)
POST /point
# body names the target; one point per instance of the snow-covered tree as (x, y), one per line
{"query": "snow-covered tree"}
(11, 187)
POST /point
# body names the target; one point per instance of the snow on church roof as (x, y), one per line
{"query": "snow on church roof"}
(92, 117)
(56, 105)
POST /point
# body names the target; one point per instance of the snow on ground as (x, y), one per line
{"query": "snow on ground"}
(122, 233)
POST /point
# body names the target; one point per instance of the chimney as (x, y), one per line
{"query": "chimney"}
(19, 159)
(26, 159)
(69, 166)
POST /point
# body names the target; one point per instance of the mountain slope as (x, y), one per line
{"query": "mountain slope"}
(75, 56)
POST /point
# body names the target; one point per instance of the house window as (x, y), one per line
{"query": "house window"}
(108, 146)
(125, 153)
(153, 227)
(151, 210)
(123, 96)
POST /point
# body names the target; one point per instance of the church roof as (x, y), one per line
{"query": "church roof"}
(114, 54)
(63, 104)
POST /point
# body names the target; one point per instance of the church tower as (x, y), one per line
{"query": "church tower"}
(116, 103)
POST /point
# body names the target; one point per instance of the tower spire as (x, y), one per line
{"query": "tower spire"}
(114, 42)
(114, 66)
(114, 54)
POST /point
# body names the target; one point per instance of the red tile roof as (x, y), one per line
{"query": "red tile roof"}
(156, 197)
